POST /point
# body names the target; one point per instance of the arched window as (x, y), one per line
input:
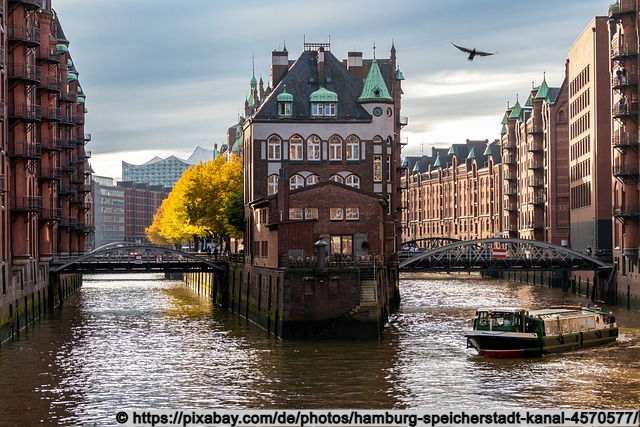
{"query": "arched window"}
(335, 148)
(352, 181)
(313, 148)
(296, 181)
(353, 148)
(272, 184)
(337, 178)
(273, 148)
(295, 148)
(312, 179)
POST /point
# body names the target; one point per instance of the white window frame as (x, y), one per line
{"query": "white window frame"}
(312, 179)
(310, 213)
(272, 184)
(295, 213)
(295, 182)
(353, 148)
(284, 109)
(335, 149)
(352, 214)
(377, 168)
(296, 148)
(352, 181)
(336, 214)
(337, 178)
(313, 148)
(274, 148)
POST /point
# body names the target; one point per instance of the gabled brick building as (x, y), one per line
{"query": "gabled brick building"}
(321, 148)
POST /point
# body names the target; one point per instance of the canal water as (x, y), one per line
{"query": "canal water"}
(126, 342)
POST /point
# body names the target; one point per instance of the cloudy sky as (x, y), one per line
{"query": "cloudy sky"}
(165, 76)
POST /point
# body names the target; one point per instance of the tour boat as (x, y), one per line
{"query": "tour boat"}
(509, 332)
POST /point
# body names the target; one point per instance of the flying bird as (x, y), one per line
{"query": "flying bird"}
(473, 52)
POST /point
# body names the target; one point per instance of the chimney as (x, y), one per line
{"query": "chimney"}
(279, 66)
(354, 65)
(321, 66)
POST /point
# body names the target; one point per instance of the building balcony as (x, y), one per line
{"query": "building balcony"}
(513, 207)
(52, 144)
(534, 165)
(625, 171)
(509, 160)
(24, 34)
(621, 7)
(536, 182)
(621, 81)
(25, 150)
(25, 112)
(29, 73)
(48, 54)
(26, 204)
(626, 211)
(69, 96)
(83, 156)
(509, 144)
(625, 141)
(535, 128)
(511, 190)
(537, 201)
(50, 173)
(68, 222)
(50, 214)
(624, 110)
(67, 190)
(29, 4)
(50, 83)
(625, 50)
(536, 146)
(50, 113)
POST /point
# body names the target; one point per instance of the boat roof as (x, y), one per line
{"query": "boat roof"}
(503, 309)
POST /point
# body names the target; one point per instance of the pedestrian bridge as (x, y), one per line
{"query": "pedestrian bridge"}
(125, 257)
(496, 254)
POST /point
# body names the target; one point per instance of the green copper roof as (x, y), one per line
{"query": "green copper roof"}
(529, 102)
(374, 89)
(505, 119)
(487, 151)
(437, 163)
(472, 154)
(504, 130)
(71, 77)
(284, 97)
(544, 90)
(515, 111)
(399, 75)
(62, 48)
(80, 100)
(416, 167)
(451, 152)
(323, 95)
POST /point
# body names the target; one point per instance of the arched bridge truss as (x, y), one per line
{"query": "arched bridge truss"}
(499, 254)
(136, 258)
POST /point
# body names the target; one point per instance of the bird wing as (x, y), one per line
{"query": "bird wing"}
(485, 53)
(464, 49)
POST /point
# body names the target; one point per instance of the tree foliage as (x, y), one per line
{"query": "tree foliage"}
(198, 204)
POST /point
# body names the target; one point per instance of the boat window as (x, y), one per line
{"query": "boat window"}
(564, 323)
(582, 324)
(573, 325)
(591, 322)
(551, 327)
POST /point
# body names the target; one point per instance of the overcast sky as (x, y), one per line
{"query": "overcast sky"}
(165, 76)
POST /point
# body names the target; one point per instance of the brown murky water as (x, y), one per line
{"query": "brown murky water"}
(125, 342)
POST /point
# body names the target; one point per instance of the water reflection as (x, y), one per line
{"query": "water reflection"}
(122, 342)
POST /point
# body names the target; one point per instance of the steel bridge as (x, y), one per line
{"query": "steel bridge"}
(123, 257)
(491, 255)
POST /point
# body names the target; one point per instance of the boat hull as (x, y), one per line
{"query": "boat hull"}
(513, 344)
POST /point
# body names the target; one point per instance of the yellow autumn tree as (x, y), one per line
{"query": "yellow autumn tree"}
(171, 223)
(209, 194)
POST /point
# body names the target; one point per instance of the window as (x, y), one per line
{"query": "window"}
(377, 167)
(295, 182)
(284, 109)
(352, 213)
(353, 148)
(311, 213)
(336, 214)
(295, 213)
(295, 148)
(273, 148)
(337, 178)
(312, 179)
(342, 244)
(327, 109)
(353, 181)
(388, 168)
(313, 148)
(335, 148)
(272, 184)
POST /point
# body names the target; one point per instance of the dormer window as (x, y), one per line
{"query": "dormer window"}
(324, 103)
(285, 104)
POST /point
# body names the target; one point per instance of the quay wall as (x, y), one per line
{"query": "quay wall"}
(301, 303)
(28, 293)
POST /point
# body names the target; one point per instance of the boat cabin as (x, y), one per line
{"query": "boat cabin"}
(500, 319)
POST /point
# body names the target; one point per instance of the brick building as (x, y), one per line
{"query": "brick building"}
(43, 162)
(321, 149)
(535, 164)
(455, 193)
